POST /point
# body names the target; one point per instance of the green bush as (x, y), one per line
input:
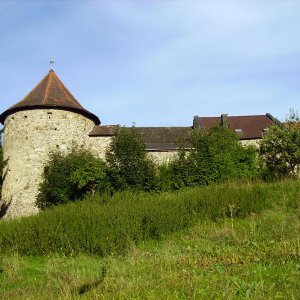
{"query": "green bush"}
(129, 166)
(280, 149)
(176, 174)
(101, 227)
(70, 176)
(216, 155)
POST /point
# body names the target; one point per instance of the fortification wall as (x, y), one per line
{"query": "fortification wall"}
(254, 143)
(29, 136)
(98, 145)
(162, 157)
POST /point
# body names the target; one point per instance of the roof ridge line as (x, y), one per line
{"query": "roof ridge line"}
(230, 116)
(47, 87)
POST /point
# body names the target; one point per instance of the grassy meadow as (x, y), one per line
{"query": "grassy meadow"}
(228, 241)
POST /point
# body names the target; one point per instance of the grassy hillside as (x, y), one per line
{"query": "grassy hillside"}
(254, 258)
(104, 225)
(246, 251)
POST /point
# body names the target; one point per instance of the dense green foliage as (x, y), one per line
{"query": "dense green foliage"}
(71, 176)
(280, 149)
(216, 155)
(253, 258)
(111, 225)
(129, 166)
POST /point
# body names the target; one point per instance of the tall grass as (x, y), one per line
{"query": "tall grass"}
(101, 226)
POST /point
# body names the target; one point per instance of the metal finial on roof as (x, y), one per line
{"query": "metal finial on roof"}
(52, 63)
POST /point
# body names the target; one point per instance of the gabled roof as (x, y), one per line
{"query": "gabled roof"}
(247, 127)
(50, 93)
(156, 138)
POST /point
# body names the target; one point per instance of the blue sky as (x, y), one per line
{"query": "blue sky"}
(156, 63)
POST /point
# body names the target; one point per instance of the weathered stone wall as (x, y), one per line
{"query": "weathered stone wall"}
(29, 136)
(162, 157)
(98, 145)
(254, 143)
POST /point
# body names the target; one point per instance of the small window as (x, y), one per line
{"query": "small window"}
(238, 130)
(265, 131)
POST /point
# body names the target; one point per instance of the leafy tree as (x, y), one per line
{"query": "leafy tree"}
(172, 175)
(280, 148)
(129, 166)
(71, 176)
(216, 155)
(178, 173)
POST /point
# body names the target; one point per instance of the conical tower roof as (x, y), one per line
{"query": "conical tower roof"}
(50, 93)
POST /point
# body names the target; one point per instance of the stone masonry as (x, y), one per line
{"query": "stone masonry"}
(29, 136)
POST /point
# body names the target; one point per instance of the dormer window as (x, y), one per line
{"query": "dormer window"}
(239, 131)
(265, 131)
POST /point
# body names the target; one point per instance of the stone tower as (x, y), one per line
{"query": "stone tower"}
(48, 118)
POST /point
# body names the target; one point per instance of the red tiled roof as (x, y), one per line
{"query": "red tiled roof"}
(50, 92)
(252, 126)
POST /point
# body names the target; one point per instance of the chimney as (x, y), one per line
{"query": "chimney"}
(196, 122)
(224, 120)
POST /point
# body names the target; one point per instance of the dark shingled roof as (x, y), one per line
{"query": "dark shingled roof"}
(103, 130)
(156, 138)
(50, 93)
(165, 138)
(252, 127)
